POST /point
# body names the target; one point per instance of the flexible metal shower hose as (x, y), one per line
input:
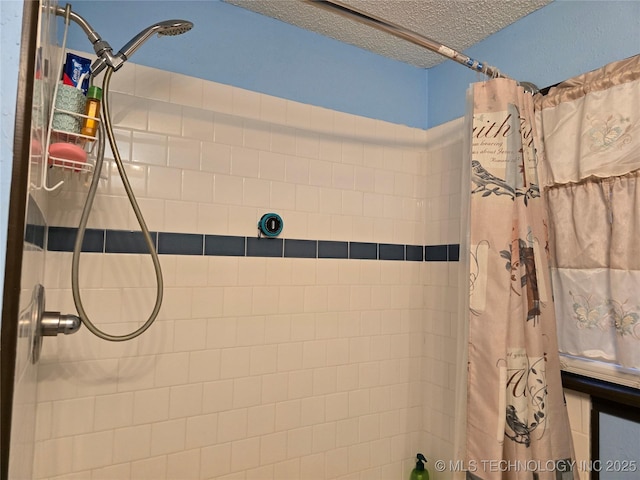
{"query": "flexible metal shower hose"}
(105, 125)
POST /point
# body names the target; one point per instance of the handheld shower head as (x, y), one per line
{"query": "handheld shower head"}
(103, 49)
(166, 28)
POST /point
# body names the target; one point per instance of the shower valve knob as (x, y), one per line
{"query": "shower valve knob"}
(54, 323)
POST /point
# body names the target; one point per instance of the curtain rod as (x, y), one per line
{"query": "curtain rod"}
(413, 37)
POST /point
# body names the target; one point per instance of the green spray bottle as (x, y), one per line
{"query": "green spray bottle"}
(420, 473)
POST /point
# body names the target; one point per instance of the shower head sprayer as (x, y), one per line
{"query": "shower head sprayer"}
(166, 28)
(107, 58)
(103, 49)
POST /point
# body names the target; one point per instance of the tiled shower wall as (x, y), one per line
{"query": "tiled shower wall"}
(257, 367)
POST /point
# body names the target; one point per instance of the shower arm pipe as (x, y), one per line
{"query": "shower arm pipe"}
(67, 13)
(103, 50)
(413, 37)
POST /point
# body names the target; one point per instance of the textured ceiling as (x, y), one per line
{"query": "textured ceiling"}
(458, 24)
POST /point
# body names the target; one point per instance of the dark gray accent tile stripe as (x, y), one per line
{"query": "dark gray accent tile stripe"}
(264, 247)
(454, 253)
(436, 253)
(333, 249)
(224, 245)
(180, 244)
(35, 235)
(125, 241)
(363, 250)
(415, 253)
(300, 248)
(63, 239)
(389, 251)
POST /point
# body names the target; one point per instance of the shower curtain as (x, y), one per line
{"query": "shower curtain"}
(517, 422)
(591, 129)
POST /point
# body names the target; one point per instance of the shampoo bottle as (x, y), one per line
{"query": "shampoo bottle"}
(420, 473)
(94, 96)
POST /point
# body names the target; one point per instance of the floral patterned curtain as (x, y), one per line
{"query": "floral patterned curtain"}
(517, 423)
(590, 177)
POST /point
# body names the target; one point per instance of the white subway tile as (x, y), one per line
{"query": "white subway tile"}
(151, 406)
(204, 366)
(215, 157)
(72, 417)
(168, 437)
(212, 219)
(149, 468)
(180, 216)
(246, 392)
(297, 170)
(122, 470)
(191, 271)
(263, 359)
(183, 465)
(237, 301)
(217, 396)
(51, 457)
(287, 415)
(91, 450)
(244, 162)
(272, 165)
(245, 454)
(261, 419)
(215, 461)
(307, 144)
(152, 83)
(123, 144)
(197, 186)
(171, 369)
(228, 189)
(132, 443)
(246, 103)
(221, 332)
(257, 134)
(273, 109)
(228, 129)
(201, 431)
(217, 97)
(129, 112)
(273, 448)
(232, 425)
(275, 387)
(186, 90)
(164, 183)
(150, 148)
(346, 432)
(197, 123)
(330, 201)
(300, 384)
(113, 411)
(257, 193)
(336, 462)
(235, 362)
(324, 380)
(283, 139)
(183, 153)
(330, 148)
(299, 442)
(165, 118)
(185, 401)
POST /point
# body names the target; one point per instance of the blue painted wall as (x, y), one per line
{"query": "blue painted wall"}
(559, 41)
(233, 46)
(10, 29)
(236, 47)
